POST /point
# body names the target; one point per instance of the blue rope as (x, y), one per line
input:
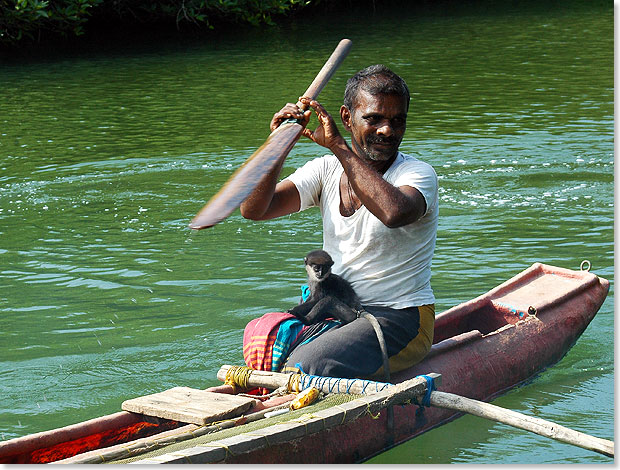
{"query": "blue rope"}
(426, 401)
(333, 383)
(430, 386)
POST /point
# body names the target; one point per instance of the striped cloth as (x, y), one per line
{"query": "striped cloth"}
(267, 340)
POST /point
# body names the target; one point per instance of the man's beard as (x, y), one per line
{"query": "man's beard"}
(380, 155)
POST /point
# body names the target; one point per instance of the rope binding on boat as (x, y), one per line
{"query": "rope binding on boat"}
(426, 401)
(238, 377)
(293, 384)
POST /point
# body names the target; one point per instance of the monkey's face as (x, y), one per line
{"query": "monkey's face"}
(318, 272)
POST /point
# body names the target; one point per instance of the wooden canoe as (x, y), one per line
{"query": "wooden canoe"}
(482, 348)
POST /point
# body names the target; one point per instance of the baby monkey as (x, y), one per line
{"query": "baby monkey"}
(330, 295)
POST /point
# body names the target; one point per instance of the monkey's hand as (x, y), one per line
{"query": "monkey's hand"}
(300, 311)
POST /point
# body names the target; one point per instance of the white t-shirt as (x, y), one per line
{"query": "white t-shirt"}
(389, 267)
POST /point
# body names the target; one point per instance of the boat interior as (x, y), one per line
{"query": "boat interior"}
(484, 318)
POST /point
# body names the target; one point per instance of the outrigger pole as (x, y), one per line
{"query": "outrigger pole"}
(266, 379)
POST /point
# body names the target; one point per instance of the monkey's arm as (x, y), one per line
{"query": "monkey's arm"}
(301, 311)
(331, 307)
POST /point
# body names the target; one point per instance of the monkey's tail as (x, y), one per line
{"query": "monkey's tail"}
(386, 361)
(379, 332)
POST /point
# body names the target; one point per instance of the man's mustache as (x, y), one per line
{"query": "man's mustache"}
(373, 139)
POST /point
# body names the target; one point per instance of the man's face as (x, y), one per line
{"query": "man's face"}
(377, 124)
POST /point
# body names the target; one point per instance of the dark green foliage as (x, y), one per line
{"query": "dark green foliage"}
(30, 20)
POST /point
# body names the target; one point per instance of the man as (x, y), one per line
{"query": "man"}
(379, 210)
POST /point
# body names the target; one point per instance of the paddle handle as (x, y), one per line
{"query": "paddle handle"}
(329, 68)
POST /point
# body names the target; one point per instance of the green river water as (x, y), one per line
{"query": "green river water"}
(106, 154)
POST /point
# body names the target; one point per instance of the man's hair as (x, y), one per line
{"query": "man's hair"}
(376, 79)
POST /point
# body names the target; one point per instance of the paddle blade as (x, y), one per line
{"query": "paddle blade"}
(273, 152)
(248, 176)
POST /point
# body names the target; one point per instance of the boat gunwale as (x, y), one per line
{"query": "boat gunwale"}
(536, 270)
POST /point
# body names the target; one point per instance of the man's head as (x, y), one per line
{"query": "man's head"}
(375, 108)
(375, 80)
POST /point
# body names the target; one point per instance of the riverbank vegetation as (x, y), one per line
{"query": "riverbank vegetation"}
(34, 21)
(44, 25)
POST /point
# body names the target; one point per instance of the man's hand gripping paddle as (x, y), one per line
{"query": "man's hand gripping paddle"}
(268, 156)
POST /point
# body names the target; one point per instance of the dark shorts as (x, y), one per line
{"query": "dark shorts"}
(353, 351)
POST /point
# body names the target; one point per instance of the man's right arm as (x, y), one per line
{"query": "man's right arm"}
(271, 199)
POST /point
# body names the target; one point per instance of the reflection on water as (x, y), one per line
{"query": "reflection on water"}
(106, 157)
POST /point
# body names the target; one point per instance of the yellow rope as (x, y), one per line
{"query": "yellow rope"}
(238, 376)
(264, 436)
(306, 417)
(215, 444)
(370, 412)
(293, 383)
(344, 416)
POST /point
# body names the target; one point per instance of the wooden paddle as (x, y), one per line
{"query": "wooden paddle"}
(268, 156)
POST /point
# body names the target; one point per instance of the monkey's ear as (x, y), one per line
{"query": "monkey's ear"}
(305, 260)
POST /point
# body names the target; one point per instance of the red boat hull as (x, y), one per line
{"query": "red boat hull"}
(482, 348)
(512, 347)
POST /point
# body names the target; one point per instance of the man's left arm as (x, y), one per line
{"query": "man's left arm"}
(393, 206)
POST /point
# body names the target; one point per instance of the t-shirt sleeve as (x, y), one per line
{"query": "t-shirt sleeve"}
(308, 181)
(422, 176)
